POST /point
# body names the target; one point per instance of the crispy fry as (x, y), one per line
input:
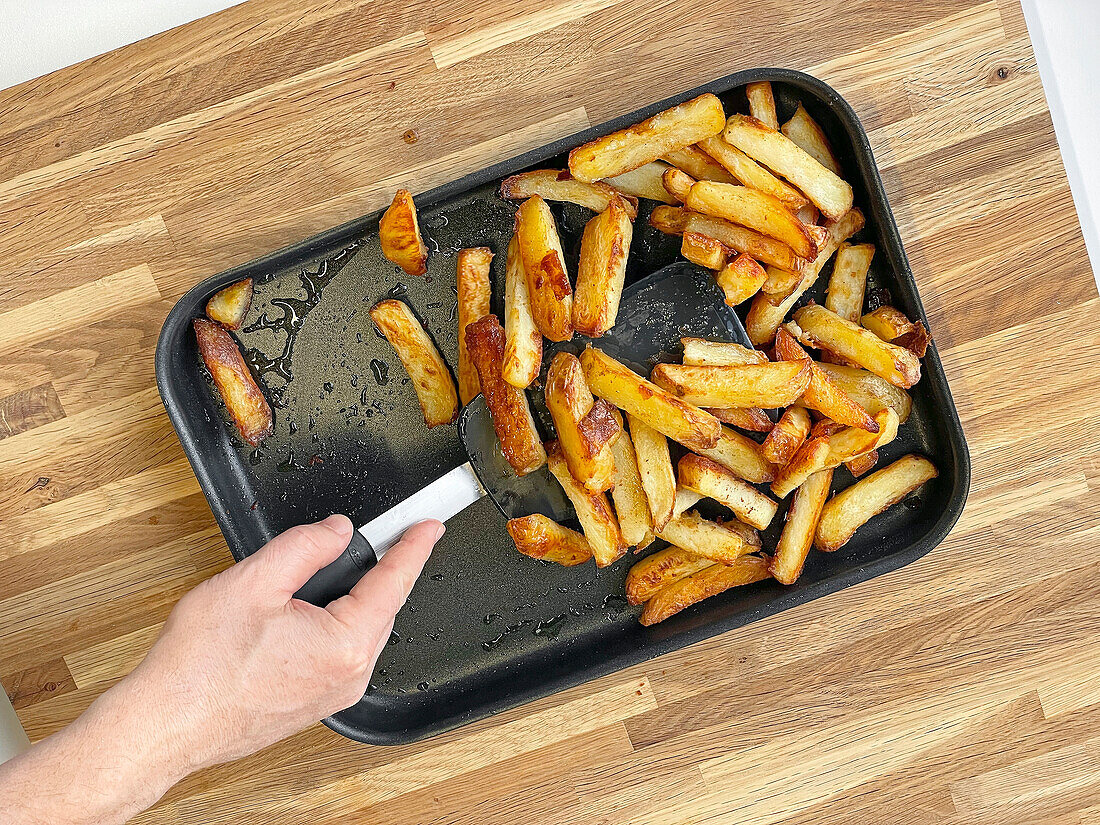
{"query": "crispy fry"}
(637, 145)
(698, 164)
(804, 131)
(631, 505)
(706, 476)
(473, 303)
(741, 456)
(522, 339)
(756, 210)
(850, 509)
(703, 251)
(710, 581)
(783, 156)
(862, 464)
(655, 468)
(508, 407)
(748, 385)
(670, 220)
(752, 174)
(760, 247)
(826, 330)
(848, 283)
(605, 245)
(677, 182)
(435, 389)
(230, 305)
(655, 571)
(872, 393)
(399, 235)
(593, 511)
(750, 535)
(644, 182)
(555, 185)
(542, 538)
(801, 525)
(544, 266)
(887, 322)
(779, 281)
(685, 500)
(762, 103)
(699, 352)
(786, 436)
(238, 389)
(705, 538)
(667, 414)
(822, 394)
(768, 311)
(753, 419)
(740, 279)
(916, 340)
(586, 428)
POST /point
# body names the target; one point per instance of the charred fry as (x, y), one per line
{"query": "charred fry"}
(238, 389)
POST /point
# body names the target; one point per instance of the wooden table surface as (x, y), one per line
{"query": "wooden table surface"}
(962, 688)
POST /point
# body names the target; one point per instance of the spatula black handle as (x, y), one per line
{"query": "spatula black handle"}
(337, 579)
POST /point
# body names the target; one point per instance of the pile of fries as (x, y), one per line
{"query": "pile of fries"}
(764, 206)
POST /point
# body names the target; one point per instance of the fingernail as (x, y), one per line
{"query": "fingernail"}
(337, 523)
(440, 531)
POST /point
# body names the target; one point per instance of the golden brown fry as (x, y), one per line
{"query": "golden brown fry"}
(703, 251)
(848, 283)
(665, 413)
(779, 281)
(238, 389)
(786, 436)
(699, 352)
(631, 505)
(230, 305)
(705, 538)
(756, 210)
(862, 464)
(670, 220)
(473, 303)
(741, 456)
(872, 393)
(659, 569)
(887, 322)
(544, 265)
(762, 103)
(600, 526)
(748, 385)
(752, 419)
(850, 509)
(758, 246)
(522, 339)
(644, 142)
(826, 330)
(542, 538)
(399, 235)
(804, 131)
(822, 394)
(559, 185)
(435, 389)
(783, 156)
(677, 182)
(750, 535)
(605, 245)
(586, 428)
(752, 174)
(699, 164)
(740, 279)
(710, 581)
(800, 527)
(644, 182)
(508, 407)
(706, 476)
(655, 469)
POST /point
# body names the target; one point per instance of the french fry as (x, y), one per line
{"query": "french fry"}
(752, 174)
(862, 464)
(750, 535)
(786, 436)
(741, 456)
(655, 571)
(670, 220)
(748, 385)
(887, 322)
(740, 279)
(850, 509)
(230, 305)
(435, 389)
(848, 283)
(804, 131)
(593, 511)
(829, 193)
(826, 330)
(522, 339)
(586, 428)
(703, 251)
(768, 311)
(665, 413)
(631, 505)
(758, 246)
(601, 271)
(752, 419)
(655, 469)
(508, 407)
(706, 476)
(677, 182)
(685, 500)
(559, 185)
(756, 210)
(872, 393)
(779, 281)
(399, 235)
(544, 266)
(825, 427)
(473, 303)
(238, 389)
(800, 527)
(827, 452)
(809, 215)
(644, 182)
(916, 340)
(699, 352)
(542, 538)
(822, 394)
(762, 103)
(710, 581)
(698, 164)
(644, 142)
(705, 538)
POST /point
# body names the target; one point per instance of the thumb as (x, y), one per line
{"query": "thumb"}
(287, 561)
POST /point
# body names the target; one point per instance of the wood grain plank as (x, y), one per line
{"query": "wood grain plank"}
(26, 409)
(36, 684)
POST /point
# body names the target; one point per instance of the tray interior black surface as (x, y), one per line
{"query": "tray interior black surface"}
(487, 628)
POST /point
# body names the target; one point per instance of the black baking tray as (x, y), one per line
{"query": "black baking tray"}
(486, 628)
